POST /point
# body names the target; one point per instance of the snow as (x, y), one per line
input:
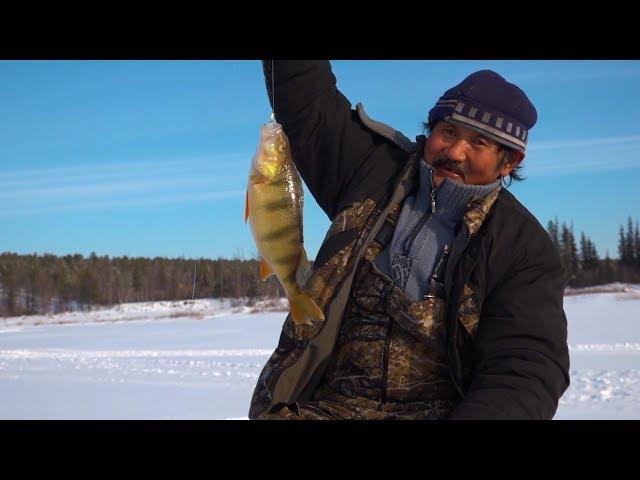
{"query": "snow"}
(200, 360)
(200, 308)
(604, 347)
(185, 368)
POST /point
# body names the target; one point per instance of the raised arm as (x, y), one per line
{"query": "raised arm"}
(328, 142)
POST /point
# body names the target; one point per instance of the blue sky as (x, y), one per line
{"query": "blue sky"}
(150, 158)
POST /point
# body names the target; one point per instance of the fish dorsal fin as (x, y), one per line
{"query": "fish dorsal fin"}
(303, 267)
(385, 130)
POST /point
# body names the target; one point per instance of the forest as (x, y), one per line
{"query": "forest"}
(38, 284)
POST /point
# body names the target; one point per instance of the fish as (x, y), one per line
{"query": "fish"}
(274, 208)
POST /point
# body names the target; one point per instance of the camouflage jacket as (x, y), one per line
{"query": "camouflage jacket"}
(506, 328)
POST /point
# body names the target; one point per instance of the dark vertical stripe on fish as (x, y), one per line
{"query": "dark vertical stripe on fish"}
(281, 233)
(291, 278)
(286, 260)
(275, 205)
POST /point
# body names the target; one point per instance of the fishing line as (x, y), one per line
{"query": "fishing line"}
(273, 92)
(193, 293)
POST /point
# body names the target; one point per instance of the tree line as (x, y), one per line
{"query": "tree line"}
(37, 284)
(582, 264)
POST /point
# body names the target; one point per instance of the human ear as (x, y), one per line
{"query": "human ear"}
(514, 158)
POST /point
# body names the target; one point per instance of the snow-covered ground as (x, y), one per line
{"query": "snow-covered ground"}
(200, 360)
(604, 343)
(199, 308)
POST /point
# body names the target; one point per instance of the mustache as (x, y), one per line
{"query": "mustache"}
(444, 162)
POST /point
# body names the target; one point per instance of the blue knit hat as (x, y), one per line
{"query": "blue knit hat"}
(487, 103)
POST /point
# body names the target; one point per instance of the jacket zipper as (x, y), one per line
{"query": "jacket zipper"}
(408, 243)
(344, 278)
(387, 342)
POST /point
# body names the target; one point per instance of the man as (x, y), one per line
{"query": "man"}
(442, 294)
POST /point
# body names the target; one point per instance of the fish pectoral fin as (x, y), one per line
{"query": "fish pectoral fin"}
(246, 206)
(303, 267)
(302, 308)
(265, 270)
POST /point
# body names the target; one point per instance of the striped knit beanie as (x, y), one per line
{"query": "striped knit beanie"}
(487, 103)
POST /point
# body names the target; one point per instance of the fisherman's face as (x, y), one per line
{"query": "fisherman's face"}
(466, 156)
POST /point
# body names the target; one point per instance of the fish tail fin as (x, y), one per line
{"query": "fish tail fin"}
(303, 307)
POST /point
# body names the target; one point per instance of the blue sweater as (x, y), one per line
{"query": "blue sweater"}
(421, 233)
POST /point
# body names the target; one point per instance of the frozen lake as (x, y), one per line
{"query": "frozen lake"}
(200, 360)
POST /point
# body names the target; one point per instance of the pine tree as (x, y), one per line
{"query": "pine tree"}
(630, 243)
(593, 254)
(565, 251)
(636, 245)
(573, 252)
(552, 228)
(585, 252)
(622, 246)
(608, 270)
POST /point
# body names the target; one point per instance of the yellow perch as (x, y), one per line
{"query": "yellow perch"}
(274, 207)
